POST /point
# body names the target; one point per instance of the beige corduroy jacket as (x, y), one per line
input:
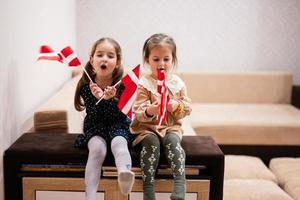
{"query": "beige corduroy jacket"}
(143, 125)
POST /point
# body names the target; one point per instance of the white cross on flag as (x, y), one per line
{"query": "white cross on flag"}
(128, 96)
(164, 96)
(69, 57)
(66, 55)
(47, 53)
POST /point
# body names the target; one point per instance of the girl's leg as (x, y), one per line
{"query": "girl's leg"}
(121, 153)
(176, 158)
(149, 159)
(97, 152)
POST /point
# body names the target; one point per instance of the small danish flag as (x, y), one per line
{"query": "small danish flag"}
(164, 96)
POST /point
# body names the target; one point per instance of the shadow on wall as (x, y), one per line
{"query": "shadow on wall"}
(9, 125)
(1, 188)
(9, 112)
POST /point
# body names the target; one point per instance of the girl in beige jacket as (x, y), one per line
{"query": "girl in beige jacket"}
(159, 52)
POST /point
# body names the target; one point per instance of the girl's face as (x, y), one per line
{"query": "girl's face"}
(104, 60)
(160, 57)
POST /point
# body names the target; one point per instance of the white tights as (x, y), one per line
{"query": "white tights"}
(97, 152)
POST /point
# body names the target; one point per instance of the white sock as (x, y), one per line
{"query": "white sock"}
(126, 180)
(97, 152)
(120, 151)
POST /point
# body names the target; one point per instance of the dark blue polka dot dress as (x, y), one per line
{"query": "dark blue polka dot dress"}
(104, 119)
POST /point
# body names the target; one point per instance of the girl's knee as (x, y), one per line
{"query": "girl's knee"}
(119, 141)
(151, 140)
(171, 138)
(97, 146)
(119, 146)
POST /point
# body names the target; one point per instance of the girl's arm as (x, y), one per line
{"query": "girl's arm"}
(89, 98)
(184, 105)
(143, 103)
(96, 90)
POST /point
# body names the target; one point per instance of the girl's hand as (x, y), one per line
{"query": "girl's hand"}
(96, 90)
(109, 92)
(153, 109)
(172, 105)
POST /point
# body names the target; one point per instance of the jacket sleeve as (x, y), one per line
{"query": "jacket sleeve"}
(142, 102)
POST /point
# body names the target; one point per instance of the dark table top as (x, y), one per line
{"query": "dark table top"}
(58, 148)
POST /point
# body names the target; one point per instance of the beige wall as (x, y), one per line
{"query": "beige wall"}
(210, 34)
(25, 83)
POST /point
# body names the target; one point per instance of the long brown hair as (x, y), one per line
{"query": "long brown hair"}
(116, 75)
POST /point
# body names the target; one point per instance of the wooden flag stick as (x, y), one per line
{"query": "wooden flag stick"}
(89, 77)
(87, 73)
(103, 93)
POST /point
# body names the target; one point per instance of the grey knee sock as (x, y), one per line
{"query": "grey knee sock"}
(149, 159)
(97, 153)
(176, 158)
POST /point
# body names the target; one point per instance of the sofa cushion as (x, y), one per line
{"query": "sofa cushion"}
(253, 189)
(285, 169)
(292, 187)
(246, 167)
(247, 123)
(239, 87)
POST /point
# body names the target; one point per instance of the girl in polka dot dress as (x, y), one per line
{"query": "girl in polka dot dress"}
(104, 123)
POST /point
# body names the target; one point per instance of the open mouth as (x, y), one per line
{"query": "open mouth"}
(103, 66)
(161, 68)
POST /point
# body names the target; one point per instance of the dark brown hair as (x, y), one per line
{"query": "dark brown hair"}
(159, 39)
(116, 75)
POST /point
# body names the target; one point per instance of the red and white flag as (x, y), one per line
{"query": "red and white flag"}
(164, 96)
(69, 57)
(66, 55)
(128, 96)
(47, 53)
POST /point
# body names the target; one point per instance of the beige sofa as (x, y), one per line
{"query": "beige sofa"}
(232, 107)
(244, 107)
(287, 170)
(253, 180)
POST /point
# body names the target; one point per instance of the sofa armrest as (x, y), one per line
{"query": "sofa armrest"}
(58, 113)
(50, 120)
